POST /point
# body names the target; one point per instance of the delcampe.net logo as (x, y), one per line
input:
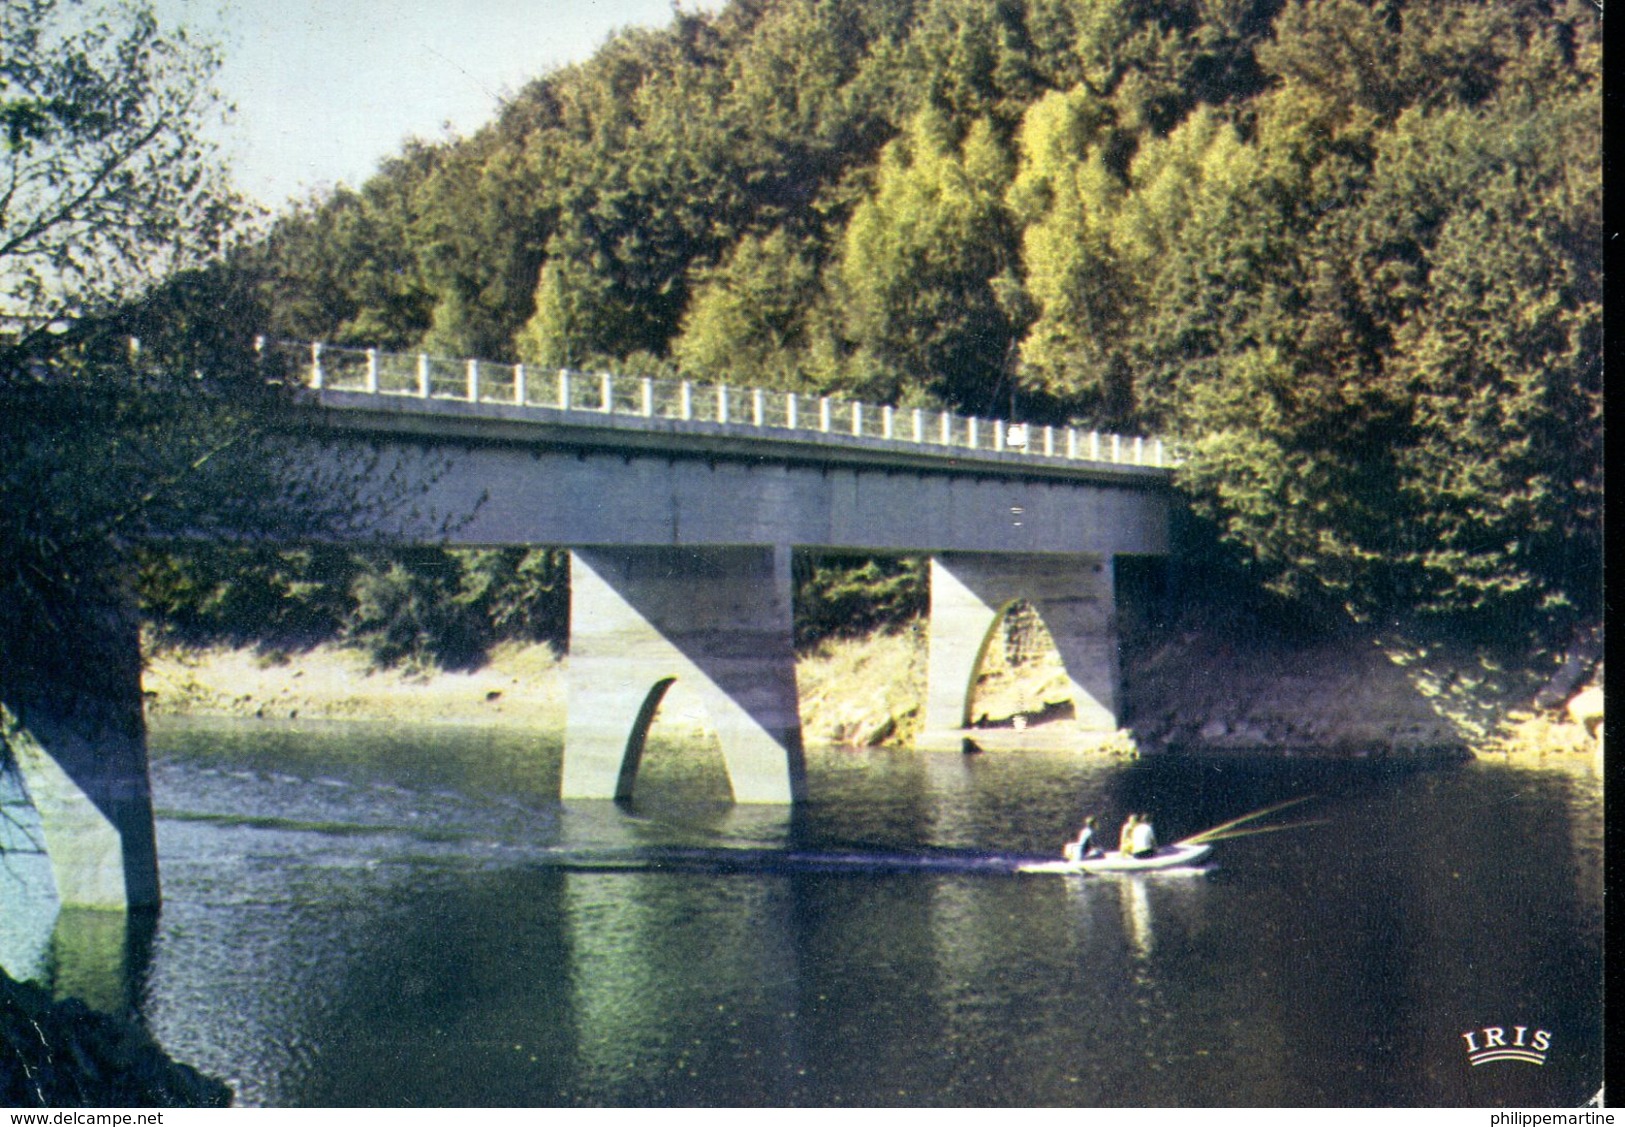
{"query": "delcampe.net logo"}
(1492, 1044)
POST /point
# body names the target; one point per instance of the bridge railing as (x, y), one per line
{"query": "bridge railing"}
(417, 375)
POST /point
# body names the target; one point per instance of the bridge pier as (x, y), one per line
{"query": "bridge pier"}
(78, 739)
(717, 619)
(970, 593)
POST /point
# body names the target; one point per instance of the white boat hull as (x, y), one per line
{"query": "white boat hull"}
(1167, 857)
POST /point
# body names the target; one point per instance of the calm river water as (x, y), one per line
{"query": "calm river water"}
(386, 916)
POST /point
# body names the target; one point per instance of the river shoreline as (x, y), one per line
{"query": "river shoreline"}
(1194, 693)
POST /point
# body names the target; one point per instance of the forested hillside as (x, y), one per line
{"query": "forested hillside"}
(1347, 252)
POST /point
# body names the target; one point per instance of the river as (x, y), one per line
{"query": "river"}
(359, 915)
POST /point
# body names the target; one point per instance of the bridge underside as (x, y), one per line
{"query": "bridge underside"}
(1073, 595)
(717, 619)
(644, 618)
(680, 573)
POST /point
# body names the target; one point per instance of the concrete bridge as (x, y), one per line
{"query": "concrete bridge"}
(681, 505)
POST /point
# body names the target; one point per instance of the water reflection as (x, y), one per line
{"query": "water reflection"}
(75, 952)
(433, 927)
(28, 912)
(1136, 914)
(92, 954)
(90, 948)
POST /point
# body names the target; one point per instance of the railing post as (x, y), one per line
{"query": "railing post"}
(1117, 448)
(758, 410)
(685, 401)
(564, 389)
(1072, 442)
(1156, 453)
(823, 413)
(606, 393)
(1139, 450)
(473, 381)
(1049, 441)
(970, 432)
(919, 425)
(998, 434)
(519, 384)
(722, 402)
(947, 429)
(887, 425)
(423, 375)
(1094, 446)
(316, 366)
(857, 419)
(372, 371)
(648, 397)
(790, 420)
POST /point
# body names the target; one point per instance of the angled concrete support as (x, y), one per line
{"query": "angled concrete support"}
(79, 742)
(717, 619)
(1073, 594)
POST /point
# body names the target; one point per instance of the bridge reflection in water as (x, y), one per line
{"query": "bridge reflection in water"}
(368, 915)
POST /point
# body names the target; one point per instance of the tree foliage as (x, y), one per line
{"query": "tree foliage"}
(921, 267)
(105, 184)
(1348, 252)
(134, 406)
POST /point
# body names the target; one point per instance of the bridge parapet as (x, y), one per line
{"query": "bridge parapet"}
(766, 413)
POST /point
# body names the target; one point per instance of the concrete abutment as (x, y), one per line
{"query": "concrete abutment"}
(78, 741)
(1072, 594)
(719, 620)
(716, 619)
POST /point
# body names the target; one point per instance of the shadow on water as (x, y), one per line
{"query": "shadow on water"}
(415, 919)
(1188, 794)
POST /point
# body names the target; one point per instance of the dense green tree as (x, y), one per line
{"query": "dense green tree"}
(480, 223)
(419, 604)
(650, 190)
(134, 407)
(1066, 198)
(108, 184)
(346, 269)
(107, 179)
(1347, 252)
(1372, 407)
(922, 264)
(846, 596)
(1503, 359)
(210, 592)
(748, 321)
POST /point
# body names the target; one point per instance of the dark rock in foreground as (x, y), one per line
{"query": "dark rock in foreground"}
(64, 1054)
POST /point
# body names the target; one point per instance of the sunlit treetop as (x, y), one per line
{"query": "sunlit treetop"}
(106, 180)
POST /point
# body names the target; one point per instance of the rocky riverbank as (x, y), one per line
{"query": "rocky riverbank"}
(1355, 695)
(59, 1054)
(1215, 688)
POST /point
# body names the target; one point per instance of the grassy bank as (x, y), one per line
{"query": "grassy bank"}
(1194, 690)
(863, 691)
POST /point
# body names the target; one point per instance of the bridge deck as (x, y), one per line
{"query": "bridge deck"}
(472, 400)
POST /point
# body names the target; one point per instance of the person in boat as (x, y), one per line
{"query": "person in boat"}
(1125, 837)
(1143, 841)
(1085, 845)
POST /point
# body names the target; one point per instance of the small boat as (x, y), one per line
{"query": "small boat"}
(1166, 857)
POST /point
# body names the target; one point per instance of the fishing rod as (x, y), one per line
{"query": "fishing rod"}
(1221, 831)
(1210, 838)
